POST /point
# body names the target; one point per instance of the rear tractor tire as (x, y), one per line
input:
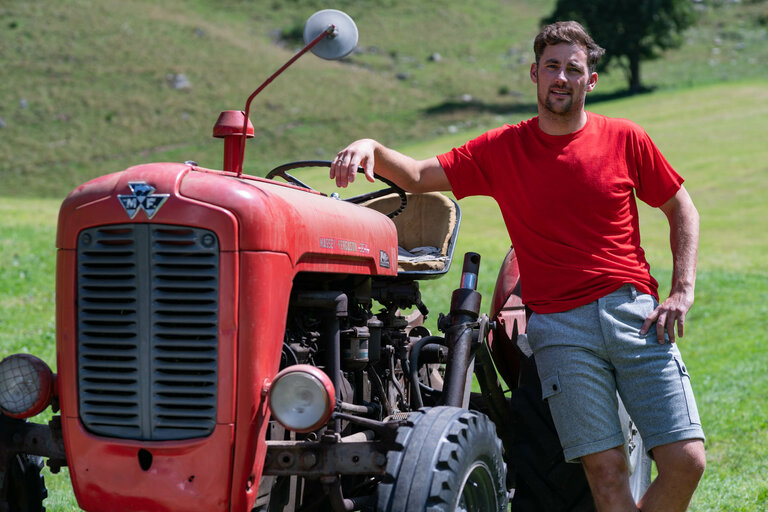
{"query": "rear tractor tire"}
(543, 480)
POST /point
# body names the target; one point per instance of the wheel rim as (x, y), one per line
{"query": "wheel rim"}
(638, 462)
(633, 454)
(477, 491)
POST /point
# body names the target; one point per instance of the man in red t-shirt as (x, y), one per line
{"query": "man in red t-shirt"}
(566, 182)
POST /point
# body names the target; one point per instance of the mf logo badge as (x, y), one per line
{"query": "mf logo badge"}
(383, 259)
(142, 198)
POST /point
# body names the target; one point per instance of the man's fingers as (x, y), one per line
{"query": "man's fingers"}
(666, 315)
(352, 169)
(369, 169)
(671, 318)
(336, 167)
(660, 317)
(660, 326)
(680, 320)
(648, 323)
(341, 172)
(345, 167)
(349, 160)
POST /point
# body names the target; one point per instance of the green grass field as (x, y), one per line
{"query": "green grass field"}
(713, 135)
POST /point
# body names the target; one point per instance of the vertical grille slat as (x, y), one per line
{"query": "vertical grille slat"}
(148, 331)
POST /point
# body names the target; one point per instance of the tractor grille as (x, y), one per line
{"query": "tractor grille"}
(147, 318)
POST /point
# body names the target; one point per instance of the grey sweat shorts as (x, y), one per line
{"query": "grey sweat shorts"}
(586, 354)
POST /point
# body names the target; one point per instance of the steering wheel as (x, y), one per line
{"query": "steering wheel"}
(281, 171)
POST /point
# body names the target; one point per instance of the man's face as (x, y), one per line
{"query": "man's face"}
(562, 79)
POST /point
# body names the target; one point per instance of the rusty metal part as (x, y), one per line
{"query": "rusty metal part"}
(315, 459)
(33, 439)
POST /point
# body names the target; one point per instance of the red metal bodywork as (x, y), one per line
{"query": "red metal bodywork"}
(268, 232)
(509, 313)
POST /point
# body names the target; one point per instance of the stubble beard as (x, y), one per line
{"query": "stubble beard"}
(561, 108)
(565, 107)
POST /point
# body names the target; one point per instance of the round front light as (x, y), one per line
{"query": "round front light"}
(26, 386)
(302, 398)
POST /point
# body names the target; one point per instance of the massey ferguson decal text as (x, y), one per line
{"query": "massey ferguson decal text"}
(344, 245)
(142, 198)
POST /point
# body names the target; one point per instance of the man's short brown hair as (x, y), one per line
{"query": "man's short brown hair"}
(570, 32)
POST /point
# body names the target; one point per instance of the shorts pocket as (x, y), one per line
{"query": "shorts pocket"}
(550, 387)
(690, 401)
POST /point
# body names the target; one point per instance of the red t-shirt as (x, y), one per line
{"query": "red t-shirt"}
(569, 204)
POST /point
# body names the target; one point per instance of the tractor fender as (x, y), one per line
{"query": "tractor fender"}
(509, 317)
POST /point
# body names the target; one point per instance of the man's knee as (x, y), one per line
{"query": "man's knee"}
(682, 459)
(607, 471)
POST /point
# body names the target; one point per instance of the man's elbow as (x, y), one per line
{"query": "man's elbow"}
(419, 187)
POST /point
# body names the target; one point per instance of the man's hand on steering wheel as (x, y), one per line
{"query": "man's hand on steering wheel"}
(348, 162)
(281, 171)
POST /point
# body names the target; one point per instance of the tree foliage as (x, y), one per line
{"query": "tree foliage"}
(630, 30)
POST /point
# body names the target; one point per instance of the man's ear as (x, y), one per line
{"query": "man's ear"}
(534, 73)
(592, 82)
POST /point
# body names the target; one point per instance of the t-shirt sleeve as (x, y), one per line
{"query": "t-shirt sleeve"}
(655, 180)
(464, 168)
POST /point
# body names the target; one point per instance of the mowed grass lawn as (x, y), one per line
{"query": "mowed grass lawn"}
(714, 136)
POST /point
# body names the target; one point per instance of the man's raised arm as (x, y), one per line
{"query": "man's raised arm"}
(412, 175)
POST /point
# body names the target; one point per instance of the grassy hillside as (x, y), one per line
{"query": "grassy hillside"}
(89, 86)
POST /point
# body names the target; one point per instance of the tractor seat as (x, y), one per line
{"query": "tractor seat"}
(426, 232)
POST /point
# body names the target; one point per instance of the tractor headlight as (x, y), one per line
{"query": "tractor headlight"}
(26, 386)
(302, 398)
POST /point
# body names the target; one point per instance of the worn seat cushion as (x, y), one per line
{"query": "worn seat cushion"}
(427, 221)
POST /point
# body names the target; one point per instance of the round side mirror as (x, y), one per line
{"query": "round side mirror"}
(336, 45)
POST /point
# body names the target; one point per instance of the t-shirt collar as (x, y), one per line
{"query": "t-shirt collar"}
(560, 139)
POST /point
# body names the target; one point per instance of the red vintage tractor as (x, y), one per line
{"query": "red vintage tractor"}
(233, 343)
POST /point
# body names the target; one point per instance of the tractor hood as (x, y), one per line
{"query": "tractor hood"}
(248, 213)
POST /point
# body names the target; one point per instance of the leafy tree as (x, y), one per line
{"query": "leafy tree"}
(630, 30)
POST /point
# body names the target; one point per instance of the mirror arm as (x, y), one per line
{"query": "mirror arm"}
(328, 32)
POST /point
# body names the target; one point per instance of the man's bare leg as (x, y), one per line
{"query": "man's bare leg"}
(680, 467)
(608, 477)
